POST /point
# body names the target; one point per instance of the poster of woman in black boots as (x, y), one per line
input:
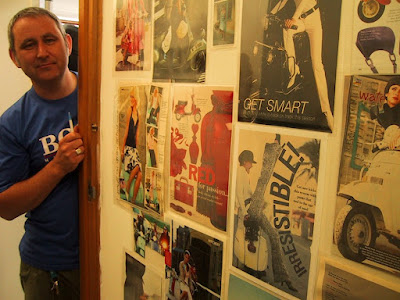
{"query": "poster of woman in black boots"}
(288, 62)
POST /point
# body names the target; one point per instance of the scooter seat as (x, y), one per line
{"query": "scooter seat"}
(182, 102)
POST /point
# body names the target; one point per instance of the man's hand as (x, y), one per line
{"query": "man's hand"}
(26, 195)
(70, 152)
(394, 142)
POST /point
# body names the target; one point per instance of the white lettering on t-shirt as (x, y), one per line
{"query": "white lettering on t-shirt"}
(49, 142)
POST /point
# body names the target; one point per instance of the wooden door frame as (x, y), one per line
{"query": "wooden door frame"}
(90, 37)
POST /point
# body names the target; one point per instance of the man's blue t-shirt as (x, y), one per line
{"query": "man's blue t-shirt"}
(29, 134)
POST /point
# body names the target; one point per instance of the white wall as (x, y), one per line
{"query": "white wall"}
(116, 231)
(13, 83)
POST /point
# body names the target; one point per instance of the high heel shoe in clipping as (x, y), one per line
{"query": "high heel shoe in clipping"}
(289, 285)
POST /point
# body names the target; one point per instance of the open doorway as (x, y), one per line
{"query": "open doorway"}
(86, 59)
(13, 84)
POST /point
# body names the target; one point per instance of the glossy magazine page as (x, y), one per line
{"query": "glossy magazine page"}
(275, 200)
(366, 220)
(201, 129)
(288, 67)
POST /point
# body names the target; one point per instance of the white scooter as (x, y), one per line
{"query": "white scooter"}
(373, 204)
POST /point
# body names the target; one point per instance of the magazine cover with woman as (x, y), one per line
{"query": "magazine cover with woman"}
(367, 223)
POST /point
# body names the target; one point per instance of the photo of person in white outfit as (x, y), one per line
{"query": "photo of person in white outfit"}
(252, 255)
(254, 260)
(307, 18)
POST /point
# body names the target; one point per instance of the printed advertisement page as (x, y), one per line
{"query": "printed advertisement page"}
(180, 40)
(275, 198)
(141, 144)
(376, 32)
(288, 62)
(224, 22)
(196, 269)
(141, 282)
(133, 27)
(200, 152)
(339, 282)
(367, 225)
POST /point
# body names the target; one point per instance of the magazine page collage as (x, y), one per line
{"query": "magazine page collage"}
(278, 185)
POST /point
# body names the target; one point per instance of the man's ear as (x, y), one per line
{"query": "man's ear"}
(13, 58)
(68, 42)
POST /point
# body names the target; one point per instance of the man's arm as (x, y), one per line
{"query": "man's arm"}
(26, 195)
(241, 185)
(302, 7)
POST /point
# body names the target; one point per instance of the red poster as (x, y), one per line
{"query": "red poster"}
(200, 150)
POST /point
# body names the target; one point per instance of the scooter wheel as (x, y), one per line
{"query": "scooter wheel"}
(358, 229)
(370, 11)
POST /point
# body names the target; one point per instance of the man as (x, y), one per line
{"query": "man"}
(307, 18)
(246, 252)
(39, 154)
(243, 188)
(254, 256)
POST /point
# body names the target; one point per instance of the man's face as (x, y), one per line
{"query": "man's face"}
(40, 49)
(248, 165)
(392, 96)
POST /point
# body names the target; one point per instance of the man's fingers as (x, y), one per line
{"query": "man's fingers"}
(66, 146)
(80, 150)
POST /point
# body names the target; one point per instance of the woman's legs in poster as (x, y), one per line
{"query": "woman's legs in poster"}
(314, 30)
(288, 42)
(134, 173)
(312, 25)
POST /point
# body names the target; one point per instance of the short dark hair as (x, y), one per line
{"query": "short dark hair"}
(395, 80)
(31, 12)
